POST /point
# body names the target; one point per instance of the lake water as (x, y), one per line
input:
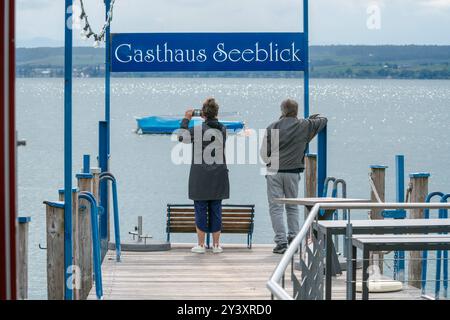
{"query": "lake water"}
(370, 122)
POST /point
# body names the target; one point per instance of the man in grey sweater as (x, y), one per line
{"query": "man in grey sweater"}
(283, 151)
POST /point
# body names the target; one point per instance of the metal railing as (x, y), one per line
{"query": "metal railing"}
(107, 176)
(443, 214)
(274, 284)
(97, 264)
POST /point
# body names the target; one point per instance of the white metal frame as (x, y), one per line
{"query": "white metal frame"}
(274, 285)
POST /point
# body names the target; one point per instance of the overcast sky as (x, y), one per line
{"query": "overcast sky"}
(41, 22)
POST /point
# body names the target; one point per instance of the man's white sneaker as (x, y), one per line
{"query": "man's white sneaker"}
(217, 249)
(198, 249)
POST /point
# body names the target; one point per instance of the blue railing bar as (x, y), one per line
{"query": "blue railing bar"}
(86, 163)
(321, 160)
(400, 178)
(443, 214)
(428, 199)
(334, 194)
(325, 185)
(426, 214)
(103, 164)
(110, 177)
(95, 243)
(306, 71)
(399, 262)
(325, 190)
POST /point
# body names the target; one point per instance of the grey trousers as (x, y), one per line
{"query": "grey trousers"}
(283, 185)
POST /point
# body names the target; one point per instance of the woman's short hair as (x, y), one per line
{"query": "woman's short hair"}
(289, 108)
(210, 108)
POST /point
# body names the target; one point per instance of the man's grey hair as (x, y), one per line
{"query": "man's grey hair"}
(289, 108)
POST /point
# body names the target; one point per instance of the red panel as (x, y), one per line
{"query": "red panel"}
(8, 256)
(12, 151)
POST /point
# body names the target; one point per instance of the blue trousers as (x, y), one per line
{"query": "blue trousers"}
(208, 215)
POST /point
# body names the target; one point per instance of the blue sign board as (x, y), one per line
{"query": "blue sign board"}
(172, 52)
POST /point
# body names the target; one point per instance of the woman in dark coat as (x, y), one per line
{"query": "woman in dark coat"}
(208, 178)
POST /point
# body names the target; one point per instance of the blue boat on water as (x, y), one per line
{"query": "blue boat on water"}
(165, 125)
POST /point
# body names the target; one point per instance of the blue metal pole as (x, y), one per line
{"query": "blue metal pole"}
(108, 79)
(103, 163)
(400, 181)
(321, 161)
(68, 294)
(400, 187)
(322, 140)
(110, 177)
(426, 213)
(86, 163)
(104, 146)
(95, 243)
(306, 50)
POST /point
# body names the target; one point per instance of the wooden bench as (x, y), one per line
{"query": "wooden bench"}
(238, 219)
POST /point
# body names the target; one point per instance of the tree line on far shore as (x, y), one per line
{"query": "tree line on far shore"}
(358, 62)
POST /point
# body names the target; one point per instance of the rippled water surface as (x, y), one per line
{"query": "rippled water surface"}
(370, 122)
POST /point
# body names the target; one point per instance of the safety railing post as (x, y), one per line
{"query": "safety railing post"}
(95, 243)
(104, 177)
(104, 196)
(426, 215)
(321, 160)
(399, 256)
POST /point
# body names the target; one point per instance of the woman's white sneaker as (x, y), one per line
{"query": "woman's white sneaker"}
(198, 249)
(217, 249)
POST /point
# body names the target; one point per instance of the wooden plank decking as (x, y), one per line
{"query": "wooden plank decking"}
(238, 274)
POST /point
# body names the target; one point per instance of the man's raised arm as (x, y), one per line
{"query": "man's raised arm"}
(316, 124)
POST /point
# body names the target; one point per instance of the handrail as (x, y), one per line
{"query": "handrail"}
(109, 176)
(334, 194)
(274, 282)
(426, 214)
(95, 242)
(443, 214)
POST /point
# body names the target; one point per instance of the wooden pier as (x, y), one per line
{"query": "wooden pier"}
(236, 274)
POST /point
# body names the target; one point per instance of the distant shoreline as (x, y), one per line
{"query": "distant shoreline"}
(235, 77)
(327, 62)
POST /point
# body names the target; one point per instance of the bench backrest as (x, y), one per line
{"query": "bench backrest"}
(235, 218)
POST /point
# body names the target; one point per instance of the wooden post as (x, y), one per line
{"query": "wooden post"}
(55, 250)
(139, 228)
(419, 184)
(85, 236)
(310, 177)
(95, 183)
(378, 175)
(75, 231)
(23, 258)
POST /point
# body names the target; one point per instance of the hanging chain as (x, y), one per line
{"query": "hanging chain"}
(87, 29)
